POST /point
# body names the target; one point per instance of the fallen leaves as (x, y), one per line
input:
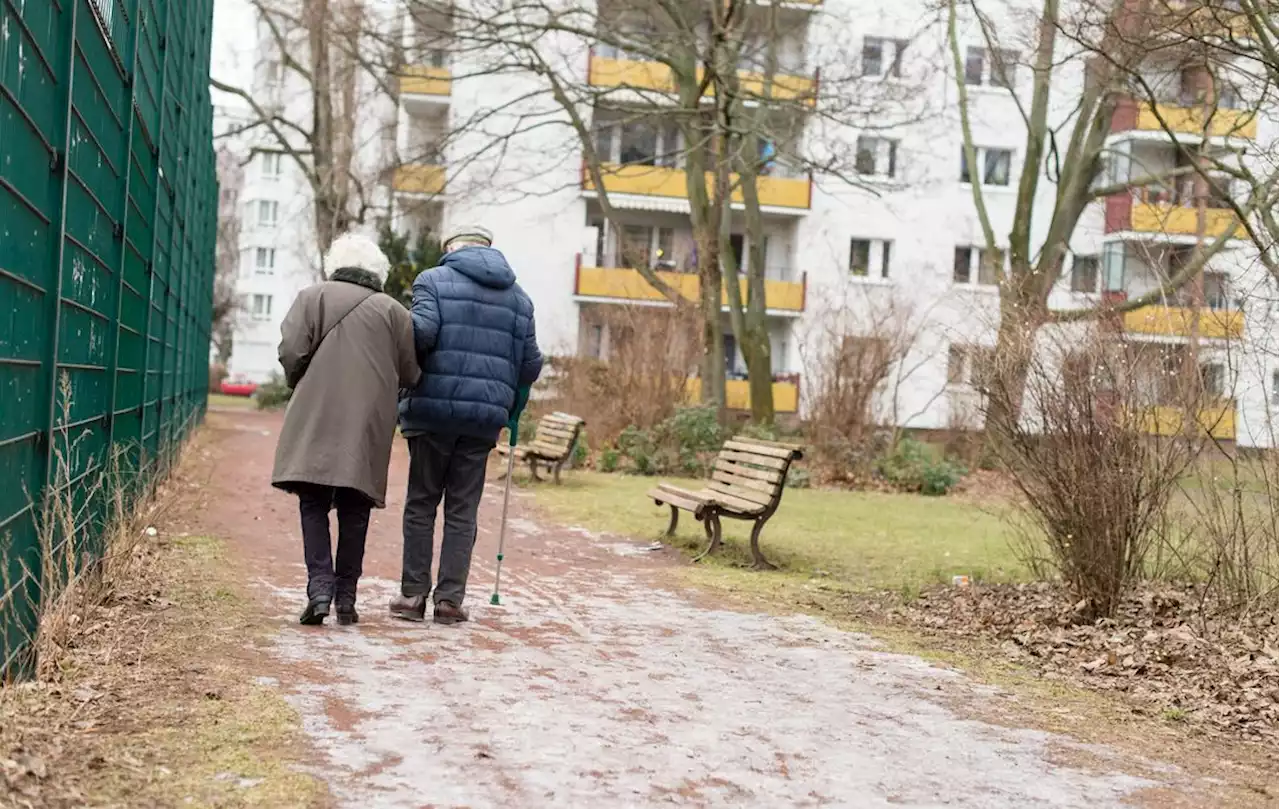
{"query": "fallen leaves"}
(1163, 649)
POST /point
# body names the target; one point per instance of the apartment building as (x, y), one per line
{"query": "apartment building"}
(472, 145)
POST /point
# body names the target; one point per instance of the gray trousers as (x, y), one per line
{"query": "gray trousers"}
(452, 467)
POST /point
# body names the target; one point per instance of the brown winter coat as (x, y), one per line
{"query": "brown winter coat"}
(341, 420)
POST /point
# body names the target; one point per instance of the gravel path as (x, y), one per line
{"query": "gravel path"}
(593, 686)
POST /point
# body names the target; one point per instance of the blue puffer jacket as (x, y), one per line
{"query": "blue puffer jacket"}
(473, 326)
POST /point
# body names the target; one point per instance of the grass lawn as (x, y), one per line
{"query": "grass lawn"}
(232, 402)
(865, 539)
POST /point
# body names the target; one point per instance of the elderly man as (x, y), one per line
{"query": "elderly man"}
(474, 332)
(347, 350)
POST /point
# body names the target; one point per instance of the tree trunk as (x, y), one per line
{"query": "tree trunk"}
(705, 216)
(1021, 315)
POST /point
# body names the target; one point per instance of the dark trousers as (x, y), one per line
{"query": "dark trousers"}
(323, 577)
(451, 466)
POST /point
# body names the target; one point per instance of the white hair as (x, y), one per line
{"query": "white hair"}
(466, 241)
(355, 250)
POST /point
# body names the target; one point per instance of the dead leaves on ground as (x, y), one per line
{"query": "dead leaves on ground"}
(1176, 659)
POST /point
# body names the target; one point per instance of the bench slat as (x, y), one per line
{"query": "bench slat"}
(552, 451)
(753, 448)
(729, 502)
(758, 497)
(552, 433)
(758, 460)
(765, 475)
(729, 479)
(678, 498)
(563, 419)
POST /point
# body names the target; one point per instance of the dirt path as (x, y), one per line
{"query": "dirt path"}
(592, 686)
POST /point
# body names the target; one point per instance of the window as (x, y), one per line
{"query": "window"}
(1213, 379)
(265, 260)
(876, 157)
(994, 68)
(1084, 274)
(268, 213)
(874, 52)
(996, 165)
(639, 145)
(604, 142)
(260, 307)
(1004, 66)
(1275, 388)
(272, 73)
(272, 165)
(1217, 293)
(974, 65)
(979, 263)
(869, 258)
(969, 365)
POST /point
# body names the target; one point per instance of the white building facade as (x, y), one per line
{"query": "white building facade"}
(473, 145)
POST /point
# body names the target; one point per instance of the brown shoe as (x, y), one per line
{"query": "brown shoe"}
(409, 608)
(449, 613)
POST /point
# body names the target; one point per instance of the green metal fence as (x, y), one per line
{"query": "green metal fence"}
(108, 203)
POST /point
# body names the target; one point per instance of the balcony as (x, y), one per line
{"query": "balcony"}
(1218, 420)
(737, 394)
(1156, 211)
(629, 285)
(419, 178)
(658, 181)
(1177, 321)
(641, 74)
(426, 80)
(1184, 119)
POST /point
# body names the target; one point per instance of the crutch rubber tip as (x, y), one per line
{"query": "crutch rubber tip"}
(499, 557)
(494, 599)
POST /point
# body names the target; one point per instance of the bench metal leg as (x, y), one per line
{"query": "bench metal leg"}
(711, 524)
(760, 562)
(555, 472)
(533, 468)
(675, 519)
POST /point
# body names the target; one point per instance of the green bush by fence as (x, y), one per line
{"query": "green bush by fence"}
(108, 203)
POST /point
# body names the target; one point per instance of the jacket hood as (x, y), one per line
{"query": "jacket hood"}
(484, 265)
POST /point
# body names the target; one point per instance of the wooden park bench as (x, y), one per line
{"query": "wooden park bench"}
(746, 484)
(552, 444)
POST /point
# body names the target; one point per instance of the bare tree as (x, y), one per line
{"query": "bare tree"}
(718, 100)
(319, 69)
(1027, 268)
(227, 261)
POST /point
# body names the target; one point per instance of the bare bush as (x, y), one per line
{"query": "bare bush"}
(856, 357)
(633, 368)
(90, 534)
(1096, 478)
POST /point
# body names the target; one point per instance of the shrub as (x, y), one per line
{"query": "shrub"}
(692, 429)
(609, 458)
(639, 448)
(581, 451)
(272, 394)
(913, 467)
(798, 478)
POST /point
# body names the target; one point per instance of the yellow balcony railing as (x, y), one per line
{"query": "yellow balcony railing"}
(629, 285)
(643, 75)
(1164, 217)
(737, 394)
(426, 80)
(1220, 122)
(419, 179)
(1176, 321)
(656, 181)
(1219, 420)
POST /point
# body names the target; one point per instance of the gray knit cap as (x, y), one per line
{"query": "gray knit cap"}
(476, 233)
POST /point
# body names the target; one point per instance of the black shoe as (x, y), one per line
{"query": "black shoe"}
(409, 608)
(447, 612)
(347, 614)
(315, 613)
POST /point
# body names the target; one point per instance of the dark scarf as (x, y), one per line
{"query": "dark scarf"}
(357, 276)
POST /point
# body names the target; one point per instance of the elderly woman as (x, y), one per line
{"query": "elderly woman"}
(347, 349)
